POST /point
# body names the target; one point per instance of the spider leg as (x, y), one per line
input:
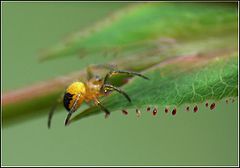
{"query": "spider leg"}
(122, 72)
(89, 73)
(105, 66)
(73, 109)
(51, 112)
(90, 68)
(107, 87)
(68, 118)
(107, 112)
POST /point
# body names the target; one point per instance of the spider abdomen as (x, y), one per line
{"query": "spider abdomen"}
(74, 95)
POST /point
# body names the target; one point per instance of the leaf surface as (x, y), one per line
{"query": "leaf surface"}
(183, 80)
(137, 25)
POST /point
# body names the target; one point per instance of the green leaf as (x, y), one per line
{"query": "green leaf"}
(137, 25)
(148, 37)
(183, 80)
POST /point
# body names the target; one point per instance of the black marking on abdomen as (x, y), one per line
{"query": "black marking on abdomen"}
(66, 100)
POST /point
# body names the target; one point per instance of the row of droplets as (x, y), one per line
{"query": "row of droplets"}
(174, 111)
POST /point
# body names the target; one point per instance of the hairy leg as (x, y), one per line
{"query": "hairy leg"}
(90, 68)
(107, 87)
(51, 112)
(122, 72)
(73, 109)
(107, 112)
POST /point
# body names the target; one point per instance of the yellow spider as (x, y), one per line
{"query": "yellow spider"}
(91, 90)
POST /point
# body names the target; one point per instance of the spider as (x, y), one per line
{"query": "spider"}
(88, 91)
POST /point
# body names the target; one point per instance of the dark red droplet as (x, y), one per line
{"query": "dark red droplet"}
(148, 109)
(212, 106)
(174, 111)
(166, 110)
(195, 109)
(187, 108)
(206, 104)
(154, 111)
(125, 112)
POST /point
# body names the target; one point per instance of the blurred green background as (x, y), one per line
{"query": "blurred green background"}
(203, 138)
